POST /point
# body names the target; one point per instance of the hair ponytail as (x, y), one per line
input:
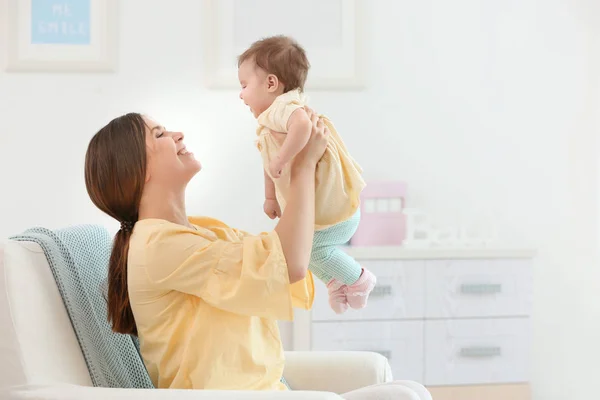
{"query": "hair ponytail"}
(115, 173)
(119, 306)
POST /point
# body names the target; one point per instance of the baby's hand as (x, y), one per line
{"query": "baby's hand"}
(272, 209)
(275, 168)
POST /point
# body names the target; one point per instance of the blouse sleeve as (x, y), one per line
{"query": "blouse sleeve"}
(248, 276)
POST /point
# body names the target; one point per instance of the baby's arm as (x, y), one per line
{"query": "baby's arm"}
(269, 187)
(271, 205)
(298, 133)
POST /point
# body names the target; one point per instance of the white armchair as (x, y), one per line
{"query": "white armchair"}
(40, 357)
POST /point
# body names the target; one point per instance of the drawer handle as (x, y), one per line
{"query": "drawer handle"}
(480, 288)
(386, 353)
(380, 291)
(480, 352)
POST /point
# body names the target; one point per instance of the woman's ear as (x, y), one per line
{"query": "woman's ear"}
(273, 83)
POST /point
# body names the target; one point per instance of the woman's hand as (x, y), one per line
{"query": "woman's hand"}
(317, 143)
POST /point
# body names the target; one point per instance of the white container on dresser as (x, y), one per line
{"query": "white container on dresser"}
(456, 320)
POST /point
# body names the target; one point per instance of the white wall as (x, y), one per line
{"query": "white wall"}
(478, 105)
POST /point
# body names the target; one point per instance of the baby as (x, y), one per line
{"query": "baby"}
(272, 73)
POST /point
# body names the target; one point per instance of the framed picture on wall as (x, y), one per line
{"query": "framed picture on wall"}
(330, 31)
(61, 35)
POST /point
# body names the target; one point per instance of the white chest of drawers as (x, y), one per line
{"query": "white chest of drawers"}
(455, 320)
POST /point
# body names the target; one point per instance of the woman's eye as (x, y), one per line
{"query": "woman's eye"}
(160, 134)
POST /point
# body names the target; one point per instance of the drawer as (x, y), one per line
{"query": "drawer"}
(399, 294)
(482, 351)
(401, 342)
(478, 288)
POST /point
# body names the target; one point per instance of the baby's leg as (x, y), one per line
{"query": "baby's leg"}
(334, 267)
(346, 280)
(327, 260)
(348, 283)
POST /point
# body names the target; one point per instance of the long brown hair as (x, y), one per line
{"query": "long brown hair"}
(115, 172)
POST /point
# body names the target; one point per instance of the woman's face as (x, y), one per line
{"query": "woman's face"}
(169, 162)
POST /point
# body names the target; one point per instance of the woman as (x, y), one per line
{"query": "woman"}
(203, 298)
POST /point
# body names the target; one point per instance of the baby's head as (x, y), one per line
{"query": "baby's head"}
(269, 68)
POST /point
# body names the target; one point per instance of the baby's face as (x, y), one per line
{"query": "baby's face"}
(255, 87)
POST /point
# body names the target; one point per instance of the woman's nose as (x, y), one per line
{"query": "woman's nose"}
(178, 136)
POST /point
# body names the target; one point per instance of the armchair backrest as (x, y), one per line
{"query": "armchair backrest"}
(37, 341)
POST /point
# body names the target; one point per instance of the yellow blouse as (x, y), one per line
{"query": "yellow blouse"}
(206, 304)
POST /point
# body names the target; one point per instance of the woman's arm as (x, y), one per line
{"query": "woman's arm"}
(297, 223)
(296, 226)
(298, 132)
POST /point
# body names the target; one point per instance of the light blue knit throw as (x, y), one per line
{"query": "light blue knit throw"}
(78, 257)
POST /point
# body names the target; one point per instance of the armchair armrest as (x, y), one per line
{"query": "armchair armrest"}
(313, 376)
(74, 392)
(335, 371)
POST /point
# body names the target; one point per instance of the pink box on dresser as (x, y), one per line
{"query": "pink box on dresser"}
(382, 221)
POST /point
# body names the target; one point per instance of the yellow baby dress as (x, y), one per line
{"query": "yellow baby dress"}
(338, 176)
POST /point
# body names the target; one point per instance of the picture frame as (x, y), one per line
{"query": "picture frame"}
(61, 35)
(335, 50)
